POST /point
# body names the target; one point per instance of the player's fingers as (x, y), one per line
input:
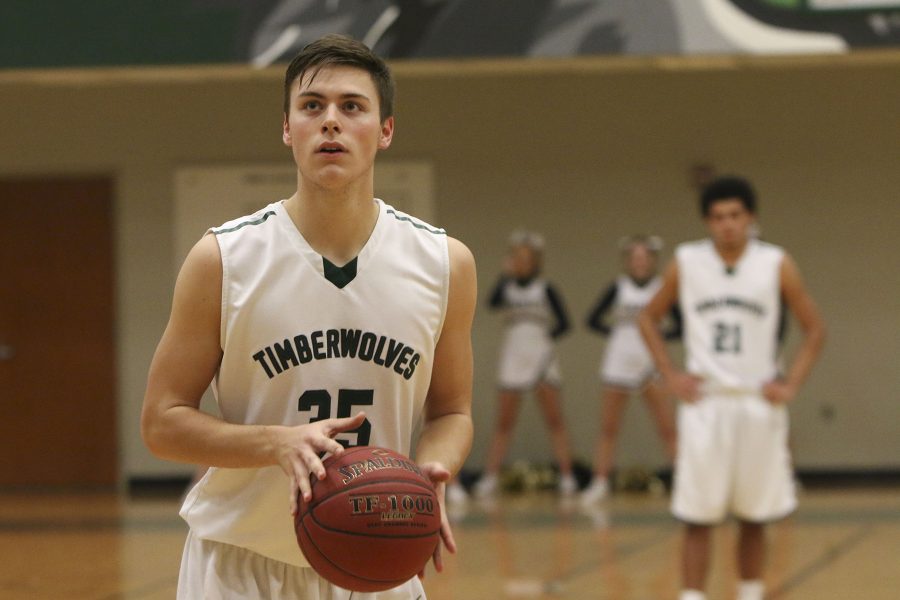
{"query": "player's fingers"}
(436, 472)
(344, 424)
(302, 477)
(438, 559)
(313, 463)
(329, 445)
(293, 497)
(447, 535)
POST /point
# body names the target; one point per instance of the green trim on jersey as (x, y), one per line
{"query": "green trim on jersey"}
(257, 221)
(415, 224)
(339, 276)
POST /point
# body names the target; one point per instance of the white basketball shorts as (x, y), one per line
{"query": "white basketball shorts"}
(215, 571)
(733, 458)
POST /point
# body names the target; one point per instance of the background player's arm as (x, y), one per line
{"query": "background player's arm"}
(447, 433)
(683, 385)
(807, 314)
(185, 361)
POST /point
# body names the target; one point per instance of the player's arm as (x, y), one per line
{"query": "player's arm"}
(188, 355)
(447, 433)
(682, 385)
(804, 309)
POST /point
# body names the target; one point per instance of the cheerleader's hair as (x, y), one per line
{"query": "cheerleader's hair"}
(653, 243)
(531, 239)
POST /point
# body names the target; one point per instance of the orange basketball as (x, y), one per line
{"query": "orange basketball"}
(372, 523)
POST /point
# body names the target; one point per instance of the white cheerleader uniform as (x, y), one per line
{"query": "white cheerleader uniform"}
(626, 361)
(534, 317)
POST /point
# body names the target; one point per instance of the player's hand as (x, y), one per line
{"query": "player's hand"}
(299, 449)
(684, 385)
(778, 392)
(439, 476)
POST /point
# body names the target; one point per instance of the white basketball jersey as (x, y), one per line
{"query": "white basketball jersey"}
(730, 316)
(304, 340)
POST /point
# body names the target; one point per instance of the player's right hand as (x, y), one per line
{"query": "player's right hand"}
(684, 386)
(299, 450)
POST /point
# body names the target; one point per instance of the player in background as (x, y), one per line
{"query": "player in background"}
(627, 366)
(534, 319)
(303, 315)
(732, 453)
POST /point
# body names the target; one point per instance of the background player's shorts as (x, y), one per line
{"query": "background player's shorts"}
(215, 571)
(527, 357)
(733, 458)
(626, 362)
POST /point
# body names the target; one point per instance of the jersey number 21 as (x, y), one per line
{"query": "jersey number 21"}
(727, 338)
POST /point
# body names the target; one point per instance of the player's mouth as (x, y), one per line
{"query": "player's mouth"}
(331, 148)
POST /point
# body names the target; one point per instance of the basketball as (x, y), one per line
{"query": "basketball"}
(372, 523)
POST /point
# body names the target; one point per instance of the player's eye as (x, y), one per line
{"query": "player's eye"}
(351, 106)
(311, 105)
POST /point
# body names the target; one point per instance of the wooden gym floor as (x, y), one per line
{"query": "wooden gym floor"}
(840, 545)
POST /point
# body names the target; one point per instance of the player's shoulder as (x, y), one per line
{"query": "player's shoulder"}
(769, 249)
(252, 220)
(694, 248)
(410, 224)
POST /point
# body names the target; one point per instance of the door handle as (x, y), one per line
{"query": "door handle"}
(6, 352)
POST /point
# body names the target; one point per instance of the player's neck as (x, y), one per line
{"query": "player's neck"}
(336, 224)
(731, 253)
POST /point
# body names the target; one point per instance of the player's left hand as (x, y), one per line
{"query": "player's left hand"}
(439, 476)
(778, 392)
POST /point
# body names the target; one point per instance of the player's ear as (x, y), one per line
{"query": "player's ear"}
(387, 134)
(286, 131)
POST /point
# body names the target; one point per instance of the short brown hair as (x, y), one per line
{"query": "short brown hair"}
(334, 49)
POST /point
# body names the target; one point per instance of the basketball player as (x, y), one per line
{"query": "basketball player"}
(627, 367)
(732, 424)
(304, 315)
(535, 319)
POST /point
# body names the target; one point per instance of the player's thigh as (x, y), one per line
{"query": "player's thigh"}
(764, 482)
(703, 468)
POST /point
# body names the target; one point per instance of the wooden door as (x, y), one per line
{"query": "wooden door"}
(57, 360)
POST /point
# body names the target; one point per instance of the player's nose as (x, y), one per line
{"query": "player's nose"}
(331, 119)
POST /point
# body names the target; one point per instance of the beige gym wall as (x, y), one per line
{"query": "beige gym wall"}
(582, 150)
